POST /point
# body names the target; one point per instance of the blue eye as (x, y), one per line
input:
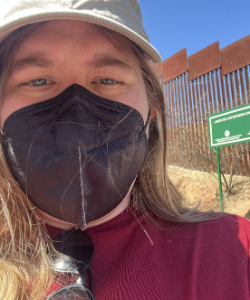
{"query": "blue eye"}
(107, 81)
(38, 82)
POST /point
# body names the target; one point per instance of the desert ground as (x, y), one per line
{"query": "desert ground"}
(198, 186)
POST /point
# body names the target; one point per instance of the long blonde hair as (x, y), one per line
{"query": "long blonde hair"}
(25, 268)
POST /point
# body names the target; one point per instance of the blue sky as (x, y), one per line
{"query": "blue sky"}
(194, 24)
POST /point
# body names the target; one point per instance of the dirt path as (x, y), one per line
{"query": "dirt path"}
(198, 186)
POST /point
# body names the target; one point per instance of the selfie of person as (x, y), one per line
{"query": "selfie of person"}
(87, 208)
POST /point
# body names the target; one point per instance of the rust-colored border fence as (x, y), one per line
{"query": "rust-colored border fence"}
(209, 81)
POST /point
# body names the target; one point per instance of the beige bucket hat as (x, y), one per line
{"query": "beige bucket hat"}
(123, 16)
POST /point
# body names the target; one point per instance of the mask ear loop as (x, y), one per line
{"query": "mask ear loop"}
(140, 134)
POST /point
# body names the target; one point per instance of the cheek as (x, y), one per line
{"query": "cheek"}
(7, 108)
(141, 102)
(136, 98)
(11, 103)
(144, 103)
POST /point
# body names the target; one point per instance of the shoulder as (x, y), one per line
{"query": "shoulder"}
(236, 229)
(228, 226)
(220, 244)
(225, 232)
(215, 256)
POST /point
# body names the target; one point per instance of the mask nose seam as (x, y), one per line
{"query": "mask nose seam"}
(83, 204)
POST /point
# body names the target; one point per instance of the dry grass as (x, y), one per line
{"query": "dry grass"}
(198, 186)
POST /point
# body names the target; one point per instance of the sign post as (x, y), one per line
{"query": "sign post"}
(226, 128)
(217, 151)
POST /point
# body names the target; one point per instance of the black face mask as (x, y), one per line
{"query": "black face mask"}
(75, 155)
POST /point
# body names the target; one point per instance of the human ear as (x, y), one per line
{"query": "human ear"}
(153, 112)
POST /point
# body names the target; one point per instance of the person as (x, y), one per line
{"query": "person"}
(84, 186)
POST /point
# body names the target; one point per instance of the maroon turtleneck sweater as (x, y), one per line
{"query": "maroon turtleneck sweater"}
(204, 261)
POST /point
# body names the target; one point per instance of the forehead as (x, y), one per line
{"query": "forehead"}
(54, 36)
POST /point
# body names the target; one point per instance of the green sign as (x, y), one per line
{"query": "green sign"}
(229, 127)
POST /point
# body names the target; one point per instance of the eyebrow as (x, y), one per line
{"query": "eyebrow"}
(31, 61)
(106, 62)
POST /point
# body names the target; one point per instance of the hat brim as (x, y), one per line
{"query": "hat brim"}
(90, 17)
